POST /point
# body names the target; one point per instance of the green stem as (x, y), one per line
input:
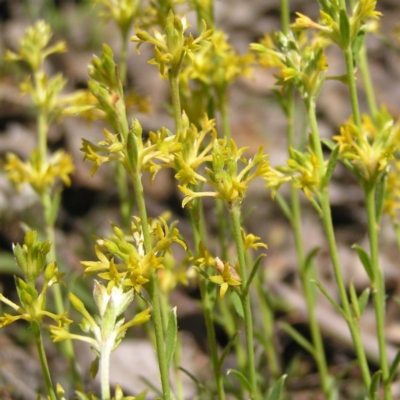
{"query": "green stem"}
(176, 101)
(49, 216)
(396, 228)
(153, 288)
(42, 127)
(352, 87)
(104, 367)
(124, 198)
(123, 57)
(330, 235)
(267, 320)
(378, 288)
(43, 360)
(223, 110)
(308, 291)
(165, 313)
(285, 16)
(206, 13)
(67, 347)
(207, 305)
(305, 275)
(234, 211)
(368, 85)
(198, 228)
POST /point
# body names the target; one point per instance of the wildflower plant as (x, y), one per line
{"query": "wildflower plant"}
(135, 269)
(31, 259)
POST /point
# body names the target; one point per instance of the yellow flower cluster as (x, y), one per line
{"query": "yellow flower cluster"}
(133, 267)
(41, 175)
(302, 169)
(370, 148)
(173, 46)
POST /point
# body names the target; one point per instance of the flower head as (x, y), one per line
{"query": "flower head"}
(370, 148)
(40, 175)
(227, 277)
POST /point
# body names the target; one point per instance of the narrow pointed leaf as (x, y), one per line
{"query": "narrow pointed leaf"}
(141, 396)
(199, 384)
(363, 300)
(374, 386)
(330, 299)
(254, 271)
(226, 350)
(380, 196)
(365, 260)
(310, 258)
(331, 167)
(94, 367)
(298, 337)
(245, 384)
(171, 336)
(393, 368)
(277, 388)
(237, 303)
(344, 26)
(354, 300)
(283, 205)
(151, 386)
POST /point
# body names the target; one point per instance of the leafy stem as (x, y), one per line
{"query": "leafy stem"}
(153, 289)
(378, 287)
(173, 75)
(43, 360)
(235, 215)
(329, 232)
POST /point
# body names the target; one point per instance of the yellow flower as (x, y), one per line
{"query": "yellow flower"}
(40, 174)
(302, 169)
(370, 148)
(228, 277)
(34, 46)
(171, 47)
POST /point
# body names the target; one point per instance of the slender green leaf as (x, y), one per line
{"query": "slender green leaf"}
(308, 262)
(171, 337)
(354, 300)
(374, 386)
(54, 207)
(245, 384)
(282, 100)
(277, 389)
(94, 367)
(237, 303)
(151, 386)
(364, 258)
(363, 299)
(226, 350)
(393, 368)
(283, 205)
(380, 196)
(357, 44)
(298, 337)
(198, 383)
(330, 299)
(333, 159)
(317, 207)
(330, 144)
(344, 26)
(202, 273)
(141, 396)
(79, 396)
(254, 271)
